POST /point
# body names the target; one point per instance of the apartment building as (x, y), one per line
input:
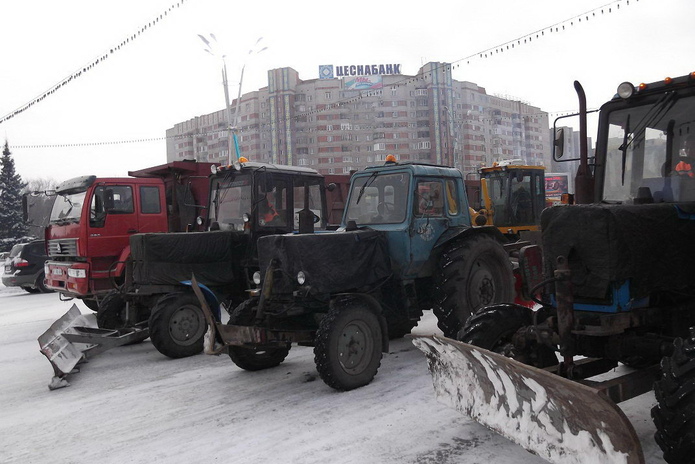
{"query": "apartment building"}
(338, 124)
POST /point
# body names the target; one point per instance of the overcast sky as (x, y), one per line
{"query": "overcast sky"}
(164, 76)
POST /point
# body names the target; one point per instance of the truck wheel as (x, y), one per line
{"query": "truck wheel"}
(473, 273)
(253, 359)
(674, 413)
(111, 311)
(177, 325)
(493, 327)
(347, 349)
(91, 303)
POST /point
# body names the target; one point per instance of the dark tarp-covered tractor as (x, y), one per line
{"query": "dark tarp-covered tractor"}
(247, 201)
(614, 283)
(405, 245)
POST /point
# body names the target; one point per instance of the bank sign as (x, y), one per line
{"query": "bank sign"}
(328, 71)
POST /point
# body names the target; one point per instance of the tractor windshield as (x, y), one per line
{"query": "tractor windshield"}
(379, 199)
(231, 199)
(647, 156)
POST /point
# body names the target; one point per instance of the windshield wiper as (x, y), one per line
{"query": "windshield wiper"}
(364, 187)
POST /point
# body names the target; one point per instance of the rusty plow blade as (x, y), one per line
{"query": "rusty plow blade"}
(555, 418)
(75, 337)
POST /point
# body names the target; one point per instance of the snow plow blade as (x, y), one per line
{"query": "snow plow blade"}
(75, 337)
(557, 419)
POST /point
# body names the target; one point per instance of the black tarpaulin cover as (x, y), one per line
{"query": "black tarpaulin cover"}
(165, 259)
(652, 245)
(333, 261)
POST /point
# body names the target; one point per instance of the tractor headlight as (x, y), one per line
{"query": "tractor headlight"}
(257, 277)
(301, 278)
(625, 90)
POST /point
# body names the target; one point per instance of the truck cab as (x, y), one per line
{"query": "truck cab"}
(93, 218)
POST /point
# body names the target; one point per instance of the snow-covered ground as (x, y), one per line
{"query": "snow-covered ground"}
(133, 405)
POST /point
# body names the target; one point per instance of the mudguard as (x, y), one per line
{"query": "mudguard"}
(558, 419)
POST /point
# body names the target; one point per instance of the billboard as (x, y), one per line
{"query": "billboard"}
(556, 185)
(328, 71)
(363, 83)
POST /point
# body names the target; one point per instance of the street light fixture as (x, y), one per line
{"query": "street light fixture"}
(232, 123)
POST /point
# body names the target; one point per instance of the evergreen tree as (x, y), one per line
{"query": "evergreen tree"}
(12, 227)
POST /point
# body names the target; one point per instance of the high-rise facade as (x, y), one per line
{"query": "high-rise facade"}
(335, 127)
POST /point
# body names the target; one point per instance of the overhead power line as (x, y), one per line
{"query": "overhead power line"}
(88, 67)
(511, 45)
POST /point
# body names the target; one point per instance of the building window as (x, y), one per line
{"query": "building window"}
(380, 146)
(328, 95)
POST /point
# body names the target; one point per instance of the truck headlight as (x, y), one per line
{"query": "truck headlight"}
(77, 273)
(301, 277)
(257, 278)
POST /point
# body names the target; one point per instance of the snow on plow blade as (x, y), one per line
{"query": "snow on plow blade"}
(74, 337)
(559, 420)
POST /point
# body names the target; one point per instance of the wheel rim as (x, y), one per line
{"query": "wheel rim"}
(355, 347)
(482, 289)
(186, 325)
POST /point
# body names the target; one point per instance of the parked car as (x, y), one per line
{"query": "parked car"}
(24, 267)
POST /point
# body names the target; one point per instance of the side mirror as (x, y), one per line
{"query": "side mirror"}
(559, 143)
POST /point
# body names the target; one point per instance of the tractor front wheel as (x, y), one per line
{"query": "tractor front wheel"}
(493, 328)
(177, 325)
(347, 350)
(473, 272)
(249, 358)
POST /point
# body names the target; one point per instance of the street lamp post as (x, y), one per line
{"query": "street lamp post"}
(232, 123)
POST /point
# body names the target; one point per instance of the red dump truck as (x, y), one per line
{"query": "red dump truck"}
(93, 218)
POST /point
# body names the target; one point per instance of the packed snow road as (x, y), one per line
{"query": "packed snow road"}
(133, 405)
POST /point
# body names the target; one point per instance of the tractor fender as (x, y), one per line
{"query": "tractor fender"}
(210, 298)
(456, 233)
(118, 270)
(369, 302)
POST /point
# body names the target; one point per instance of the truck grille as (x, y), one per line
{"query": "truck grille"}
(62, 247)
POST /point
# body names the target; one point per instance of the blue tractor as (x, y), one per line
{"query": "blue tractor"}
(405, 245)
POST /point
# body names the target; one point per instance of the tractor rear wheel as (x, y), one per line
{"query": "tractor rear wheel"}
(177, 325)
(347, 350)
(473, 273)
(493, 328)
(253, 359)
(674, 413)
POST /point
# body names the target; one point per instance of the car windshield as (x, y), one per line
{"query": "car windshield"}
(645, 154)
(67, 207)
(379, 199)
(231, 199)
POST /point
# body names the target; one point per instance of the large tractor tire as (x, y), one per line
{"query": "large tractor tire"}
(347, 350)
(253, 359)
(674, 413)
(111, 312)
(177, 325)
(493, 327)
(473, 272)
(399, 325)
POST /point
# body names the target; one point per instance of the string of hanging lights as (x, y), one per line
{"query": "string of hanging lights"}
(89, 66)
(511, 45)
